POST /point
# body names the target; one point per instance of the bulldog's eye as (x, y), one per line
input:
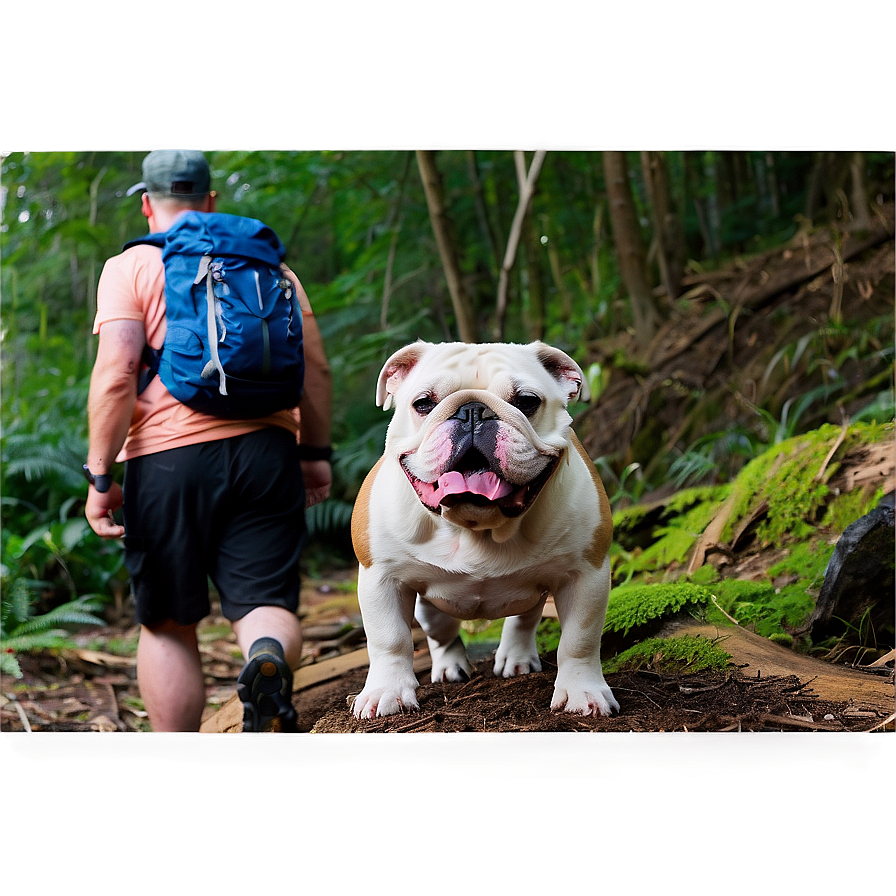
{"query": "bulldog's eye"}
(424, 405)
(526, 402)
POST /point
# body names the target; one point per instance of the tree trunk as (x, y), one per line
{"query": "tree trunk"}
(441, 225)
(492, 240)
(858, 196)
(629, 247)
(535, 320)
(665, 222)
(693, 178)
(597, 230)
(827, 198)
(394, 224)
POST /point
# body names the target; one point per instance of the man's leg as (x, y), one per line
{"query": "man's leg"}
(271, 641)
(169, 673)
(271, 622)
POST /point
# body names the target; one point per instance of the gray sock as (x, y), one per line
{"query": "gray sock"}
(266, 645)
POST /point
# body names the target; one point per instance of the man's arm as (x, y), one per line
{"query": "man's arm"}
(110, 406)
(315, 407)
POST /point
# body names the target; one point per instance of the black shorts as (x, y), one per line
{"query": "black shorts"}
(231, 510)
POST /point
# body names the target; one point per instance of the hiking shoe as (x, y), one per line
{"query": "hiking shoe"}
(265, 689)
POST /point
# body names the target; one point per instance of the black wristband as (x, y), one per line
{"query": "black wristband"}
(315, 452)
(101, 483)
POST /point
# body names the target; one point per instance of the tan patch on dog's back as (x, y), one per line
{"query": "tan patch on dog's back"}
(603, 534)
(361, 518)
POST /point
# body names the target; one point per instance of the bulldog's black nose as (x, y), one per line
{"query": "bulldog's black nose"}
(473, 414)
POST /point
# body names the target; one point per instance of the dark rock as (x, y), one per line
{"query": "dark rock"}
(859, 579)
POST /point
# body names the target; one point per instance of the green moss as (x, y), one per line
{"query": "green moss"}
(845, 509)
(807, 561)
(632, 606)
(782, 638)
(213, 632)
(705, 575)
(672, 545)
(680, 524)
(683, 655)
(708, 496)
(628, 519)
(118, 646)
(736, 597)
(786, 477)
(770, 609)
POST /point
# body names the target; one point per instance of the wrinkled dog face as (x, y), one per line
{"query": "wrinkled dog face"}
(478, 429)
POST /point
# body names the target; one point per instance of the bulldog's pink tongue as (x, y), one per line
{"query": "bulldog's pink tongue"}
(484, 483)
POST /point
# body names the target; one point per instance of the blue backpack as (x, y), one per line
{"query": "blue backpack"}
(233, 344)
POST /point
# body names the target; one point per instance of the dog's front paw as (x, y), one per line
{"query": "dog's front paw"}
(384, 700)
(585, 694)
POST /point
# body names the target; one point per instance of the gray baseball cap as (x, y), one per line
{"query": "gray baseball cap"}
(178, 172)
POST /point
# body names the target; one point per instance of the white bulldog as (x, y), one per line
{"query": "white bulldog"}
(483, 504)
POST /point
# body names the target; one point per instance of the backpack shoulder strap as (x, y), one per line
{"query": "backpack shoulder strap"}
(151, 356)
(150, 239)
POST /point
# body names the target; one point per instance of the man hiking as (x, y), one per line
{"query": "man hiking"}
(204, 496)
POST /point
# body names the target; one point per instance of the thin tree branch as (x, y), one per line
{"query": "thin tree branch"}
(527, 188)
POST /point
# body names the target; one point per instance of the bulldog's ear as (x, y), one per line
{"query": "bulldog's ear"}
(563, 369)
(395, 370)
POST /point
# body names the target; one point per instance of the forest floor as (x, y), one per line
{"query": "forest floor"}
(766, 688)
(92, 686)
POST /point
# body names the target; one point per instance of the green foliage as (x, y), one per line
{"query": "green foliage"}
(806, 561)
(767, 611)
(481, 631)
(706, 575)
(780, 602)
(22, 631)
(357, 231)
(627, 487)
(713, 455)
(682, 655)
(547, 636)
(672, 537)
(632, 606)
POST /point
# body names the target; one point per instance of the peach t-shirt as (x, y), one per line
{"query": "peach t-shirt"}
(132, 287)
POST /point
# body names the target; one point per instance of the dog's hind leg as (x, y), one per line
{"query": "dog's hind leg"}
(517, 654)
(449, 656)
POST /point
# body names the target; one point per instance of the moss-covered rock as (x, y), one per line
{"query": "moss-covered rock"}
(790, 480)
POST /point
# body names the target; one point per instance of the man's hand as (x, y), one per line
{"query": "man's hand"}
(100, 510)
(318, 476)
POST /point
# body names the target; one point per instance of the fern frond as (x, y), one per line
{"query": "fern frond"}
(49, 640)
(330, 517)
(9, 665)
